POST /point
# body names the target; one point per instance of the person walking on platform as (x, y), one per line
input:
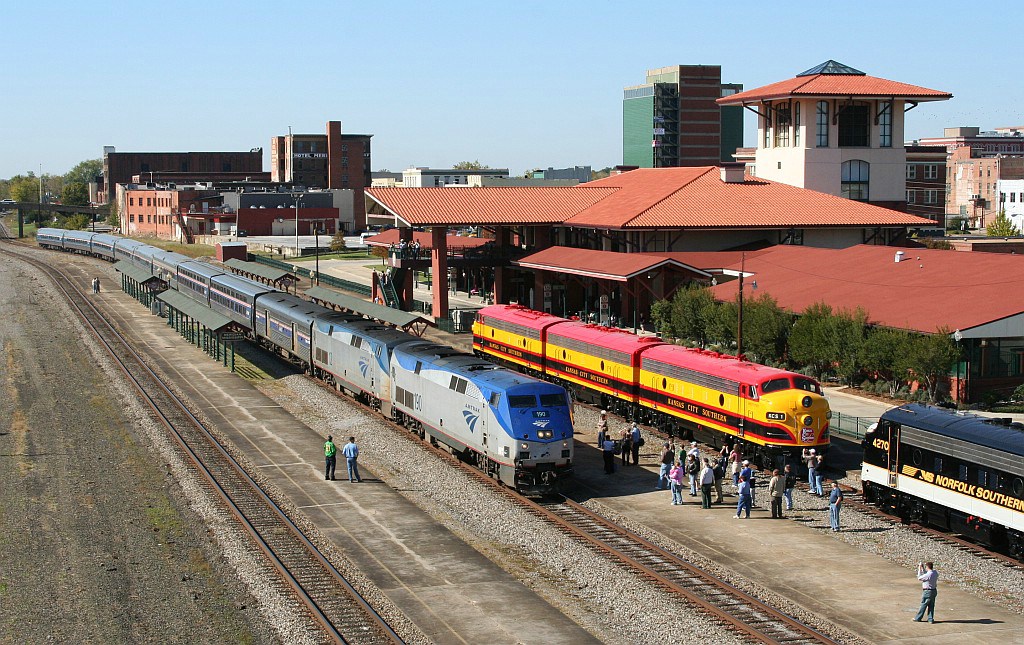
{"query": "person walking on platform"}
(636, 441)
(608, 451)
(692, 471)
(602, 428)
(835, 502)
(626, 445)
(744, 502)
(775, 493)
(675, 477)
(929, 578)
(788, 486)
(819, 475)
(747, 474)
(736, 458)
(811, 459)
(351, 452)
(666, 461)
(707, 480)
(330, 457)
(719, 472)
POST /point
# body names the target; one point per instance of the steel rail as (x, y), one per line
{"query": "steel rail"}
(66, 285)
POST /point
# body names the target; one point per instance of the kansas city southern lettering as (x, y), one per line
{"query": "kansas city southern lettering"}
(698, 410)
(596, 378)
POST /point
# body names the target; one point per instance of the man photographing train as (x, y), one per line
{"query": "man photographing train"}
(929, 578)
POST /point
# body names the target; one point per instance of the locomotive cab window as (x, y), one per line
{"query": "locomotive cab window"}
(495, 399)
(552, 400)
(774, 385)
(522, 401)
(807, 385)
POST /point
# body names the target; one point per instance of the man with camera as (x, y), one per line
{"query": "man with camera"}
(929, 578)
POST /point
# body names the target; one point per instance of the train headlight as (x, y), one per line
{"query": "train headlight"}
(808, 420)
(807, 401)
(565, 444)
(524, 446)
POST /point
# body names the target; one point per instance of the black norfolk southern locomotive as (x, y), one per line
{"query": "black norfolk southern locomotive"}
(957, 472)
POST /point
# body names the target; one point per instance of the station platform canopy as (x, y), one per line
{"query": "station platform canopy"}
(401, 319)
(137, 274)
(209, 319)
(267, 273)
(603, 265)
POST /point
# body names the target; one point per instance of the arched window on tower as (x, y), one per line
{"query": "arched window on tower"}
(856, 175)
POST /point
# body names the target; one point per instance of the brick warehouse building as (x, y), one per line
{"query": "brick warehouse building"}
(332, 160)
(120, 167)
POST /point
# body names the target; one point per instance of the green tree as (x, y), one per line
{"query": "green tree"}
(469, 165)
(809, 340)
(692, 308)
(114, 216)
(25, 188)
(765, 329)
(85, 172)
(885, 354)
(338, 242)
(1002, 226)
(661, 316)
(847, 332)
(931, 359)
(75, 194)
(77, 222)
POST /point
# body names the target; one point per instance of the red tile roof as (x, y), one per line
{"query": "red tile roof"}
(644, 198)
(487, 205)
(927, 289)
(698, 198)
(838, 85)
(604, 265)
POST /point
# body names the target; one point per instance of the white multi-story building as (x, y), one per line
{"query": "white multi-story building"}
(431, 177)
(835, 130)
(1011, 200)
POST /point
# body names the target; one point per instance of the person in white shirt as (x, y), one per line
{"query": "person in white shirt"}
(707, 480)
(929, 578)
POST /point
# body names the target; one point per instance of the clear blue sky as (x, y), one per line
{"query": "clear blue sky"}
(512, 84)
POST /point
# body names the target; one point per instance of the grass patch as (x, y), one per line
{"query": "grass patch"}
(191, 250)
(164, 517)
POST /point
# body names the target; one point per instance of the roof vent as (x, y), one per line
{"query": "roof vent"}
(899, 256)
(732, 173)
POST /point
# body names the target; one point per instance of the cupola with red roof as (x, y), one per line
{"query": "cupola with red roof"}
(834, 129)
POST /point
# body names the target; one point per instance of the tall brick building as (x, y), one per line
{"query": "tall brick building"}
(331, 160)
(120, 167)
(673, 120)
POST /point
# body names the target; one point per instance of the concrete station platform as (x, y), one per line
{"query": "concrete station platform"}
(864, 593)
(449, 590)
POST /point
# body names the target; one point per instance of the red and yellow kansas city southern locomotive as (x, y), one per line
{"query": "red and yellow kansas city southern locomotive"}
(682, 391)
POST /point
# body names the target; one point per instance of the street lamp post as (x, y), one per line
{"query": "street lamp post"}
(316, 238)
(296, 225)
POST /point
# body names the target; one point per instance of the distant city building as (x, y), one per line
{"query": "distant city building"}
(182, 212)
(926, 182)
(581, 174)
(120, 167)
(836, 130)
(382, 178)
(332, 160)
(478, 180)
(673, 120)
(1011, 200)
(431, 177)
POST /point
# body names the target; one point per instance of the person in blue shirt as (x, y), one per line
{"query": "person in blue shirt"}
(748, 474)
(744, 502)
(351, 452)
(835, 502)
(636, 443)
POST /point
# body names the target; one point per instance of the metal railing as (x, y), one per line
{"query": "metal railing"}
(849, 425)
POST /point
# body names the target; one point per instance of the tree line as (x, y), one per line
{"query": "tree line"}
(71, 189)
(821, 341)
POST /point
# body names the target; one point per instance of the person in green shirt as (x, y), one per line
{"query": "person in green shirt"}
(330, 455)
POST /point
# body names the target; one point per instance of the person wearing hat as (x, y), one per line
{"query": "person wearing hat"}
(747, 475)
(602, 428)
(811, 459)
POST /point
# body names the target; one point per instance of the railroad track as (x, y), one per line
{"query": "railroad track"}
(740, 612)
(304, 572)
(854, 499)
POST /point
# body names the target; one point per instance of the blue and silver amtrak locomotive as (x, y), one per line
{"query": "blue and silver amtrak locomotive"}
(516, 428)
(512, 426)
